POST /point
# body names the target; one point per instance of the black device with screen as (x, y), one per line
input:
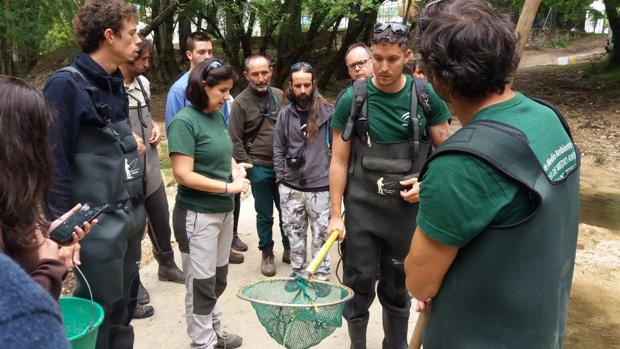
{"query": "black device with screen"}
(62, 233)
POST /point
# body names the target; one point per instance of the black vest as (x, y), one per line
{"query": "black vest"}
(509, 287)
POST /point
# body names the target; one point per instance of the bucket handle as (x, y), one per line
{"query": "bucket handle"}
(92, 301)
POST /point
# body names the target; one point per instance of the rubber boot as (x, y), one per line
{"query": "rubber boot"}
(168, 270)
(357, 333)
(143, 295)
(395, 330)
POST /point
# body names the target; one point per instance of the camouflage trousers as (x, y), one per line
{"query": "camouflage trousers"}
(300, 210)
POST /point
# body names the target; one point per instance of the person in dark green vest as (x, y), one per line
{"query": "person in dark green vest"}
(494, 249)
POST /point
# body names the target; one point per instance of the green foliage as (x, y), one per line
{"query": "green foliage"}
(560, 43)
(611, 75)
(26, 24)
(59, 35)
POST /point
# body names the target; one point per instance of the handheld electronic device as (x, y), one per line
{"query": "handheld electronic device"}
(62, 233)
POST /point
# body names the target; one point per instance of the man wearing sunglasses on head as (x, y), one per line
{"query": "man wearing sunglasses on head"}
(384, 130)
(252, 125)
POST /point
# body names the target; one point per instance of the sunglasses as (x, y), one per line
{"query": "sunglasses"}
(299, 65)
(395, 28)
(213, 65)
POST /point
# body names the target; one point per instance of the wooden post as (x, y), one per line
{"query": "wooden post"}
(524, 26)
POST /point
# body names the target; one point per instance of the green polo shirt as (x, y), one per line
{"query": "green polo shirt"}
(203, 137)
(388, 113)
(460, 195)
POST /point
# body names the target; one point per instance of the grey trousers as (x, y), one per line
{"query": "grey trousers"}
(300, 210)
(204, 255)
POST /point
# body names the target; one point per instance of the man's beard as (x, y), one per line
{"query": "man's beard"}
(260, 89)
(302, 102)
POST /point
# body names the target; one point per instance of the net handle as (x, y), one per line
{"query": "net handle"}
(314, 265)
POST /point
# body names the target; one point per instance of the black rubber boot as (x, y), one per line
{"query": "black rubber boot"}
(168, 270)
(143, 295)
(395, 329)
(357, 333)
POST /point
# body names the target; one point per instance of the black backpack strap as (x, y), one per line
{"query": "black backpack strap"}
(147, 99)
(423, 96)
(414, 122)
(358, 105)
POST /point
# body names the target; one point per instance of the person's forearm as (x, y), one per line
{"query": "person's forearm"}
(199, 182)
(338, 172)
(439, 133)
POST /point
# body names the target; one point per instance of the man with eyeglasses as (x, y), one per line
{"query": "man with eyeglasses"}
(384, 130)
(252, 125)
(357, 59)
(494, 249)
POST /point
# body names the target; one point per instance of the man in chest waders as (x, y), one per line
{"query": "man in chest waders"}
(495, 245)
(138, 90)
(384, 127)
(96, 161)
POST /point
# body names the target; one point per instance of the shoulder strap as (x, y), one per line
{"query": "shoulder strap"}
(414, 122)
(147, 99)
(502, 146)
(357, 106)
(250, 139)
(423, 96)
(90, 89)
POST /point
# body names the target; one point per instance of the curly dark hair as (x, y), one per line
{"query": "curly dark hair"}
(468, 46)
(26, 169)
(96, 16)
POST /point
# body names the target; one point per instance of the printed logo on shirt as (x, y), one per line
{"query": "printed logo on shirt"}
(405, 119)
(560, 162)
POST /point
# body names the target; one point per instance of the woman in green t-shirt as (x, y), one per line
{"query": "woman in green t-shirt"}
(201, 154)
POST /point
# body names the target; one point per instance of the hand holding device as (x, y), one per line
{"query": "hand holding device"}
(63, 233)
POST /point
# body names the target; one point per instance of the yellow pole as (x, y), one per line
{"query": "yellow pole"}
(314, 265)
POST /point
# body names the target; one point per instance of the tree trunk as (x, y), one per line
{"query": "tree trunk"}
(168, 68)
(6, 55)
(524, 26)
(611, 9)
(185, 28)
(288, 40)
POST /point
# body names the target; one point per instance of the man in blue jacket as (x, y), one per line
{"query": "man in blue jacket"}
(96, 160)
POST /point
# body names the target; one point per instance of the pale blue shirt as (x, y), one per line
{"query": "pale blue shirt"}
(176, 100)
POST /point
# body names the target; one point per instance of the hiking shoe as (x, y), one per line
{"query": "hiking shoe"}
(143, 295)
(238, 245)
(235, 258)
(228, 341)
(143, 311)
(286, 256)
(267, 267)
